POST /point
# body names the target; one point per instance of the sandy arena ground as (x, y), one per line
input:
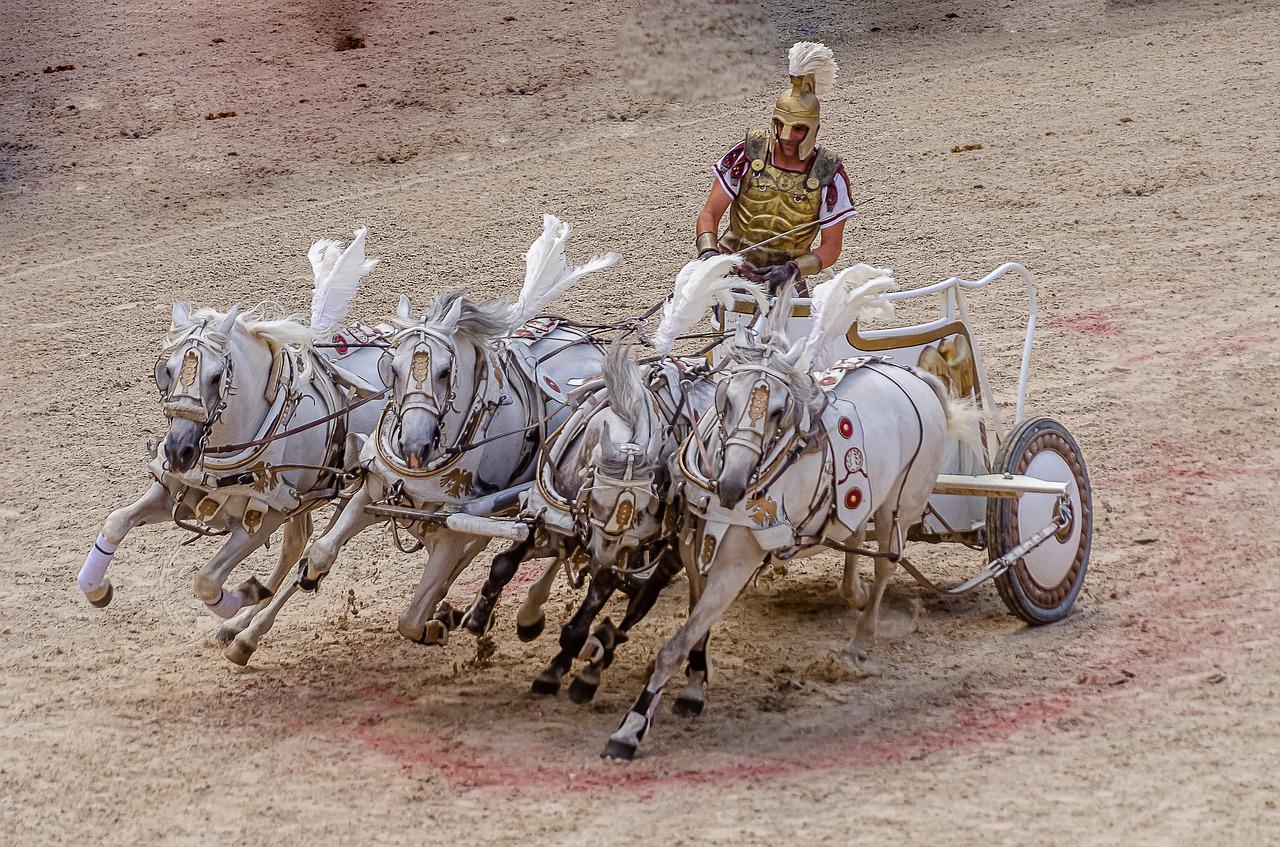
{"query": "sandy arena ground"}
(1128, 157)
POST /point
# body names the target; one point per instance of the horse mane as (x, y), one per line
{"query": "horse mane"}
(770, 340)
(265, 320)
(625, 384)
(478, 321)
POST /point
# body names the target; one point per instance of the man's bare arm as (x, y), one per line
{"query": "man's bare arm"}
(713, 210)
(832, 241)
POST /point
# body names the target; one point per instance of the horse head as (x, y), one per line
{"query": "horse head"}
(432, 363)
(193, 375)
(620, 499)
(212, 376)
(763, 401)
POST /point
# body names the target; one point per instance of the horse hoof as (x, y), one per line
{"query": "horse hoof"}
(582, 692)
(687, 707)
(544, 687)
(475, 623)
(435, 634)
(100, 597)
(409, 632)
(238, 652)
(618, 751)
(225, 634)
(532, 631)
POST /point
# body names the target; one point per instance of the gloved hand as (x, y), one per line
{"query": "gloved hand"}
(708, 253)
(776, 276)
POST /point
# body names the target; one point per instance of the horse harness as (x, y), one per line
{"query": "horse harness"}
(247, 469)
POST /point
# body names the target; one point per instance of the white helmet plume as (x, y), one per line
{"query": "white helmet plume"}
(812, 57)
(547, 273)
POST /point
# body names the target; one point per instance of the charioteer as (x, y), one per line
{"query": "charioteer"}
(781, 190)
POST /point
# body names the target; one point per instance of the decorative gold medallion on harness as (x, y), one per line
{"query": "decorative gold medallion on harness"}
(457, 482)
(625, 514)
(708, 549)
(764, 511)
(420, 367)
(190, 366)
(759, 405)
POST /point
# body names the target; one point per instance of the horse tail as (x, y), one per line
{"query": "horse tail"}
(961, 412)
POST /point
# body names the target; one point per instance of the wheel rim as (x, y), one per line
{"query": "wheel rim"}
(1051, 563)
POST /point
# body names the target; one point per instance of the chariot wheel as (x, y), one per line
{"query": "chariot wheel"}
(1042, 586)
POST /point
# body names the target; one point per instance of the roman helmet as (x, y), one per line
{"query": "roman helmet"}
(813, 71)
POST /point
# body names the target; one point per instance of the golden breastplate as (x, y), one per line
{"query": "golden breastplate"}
(772, 201)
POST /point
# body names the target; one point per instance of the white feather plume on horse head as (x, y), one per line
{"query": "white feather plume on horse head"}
(547, 274)
(811, 57)
(337, 272)
(853, 295)
(701, 284)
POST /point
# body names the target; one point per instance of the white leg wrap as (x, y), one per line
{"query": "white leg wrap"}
(94, 572)
(228, 604)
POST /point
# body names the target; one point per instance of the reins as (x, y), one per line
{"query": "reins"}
(258, 442)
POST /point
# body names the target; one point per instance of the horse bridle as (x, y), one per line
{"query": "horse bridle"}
(423, 396)
(185, 396)
(755, 414)
(634, 494)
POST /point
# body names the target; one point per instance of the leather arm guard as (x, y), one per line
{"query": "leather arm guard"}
(807, 265)
(707, 242)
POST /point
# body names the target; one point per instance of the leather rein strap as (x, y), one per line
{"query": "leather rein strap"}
(258, 442)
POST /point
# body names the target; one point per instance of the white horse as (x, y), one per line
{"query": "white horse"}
(599, 503)
(786, 465)
(259, 387)
(601, 500)
(476, 388)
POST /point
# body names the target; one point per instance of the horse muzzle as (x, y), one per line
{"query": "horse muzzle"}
(182, 446)
(730, 492)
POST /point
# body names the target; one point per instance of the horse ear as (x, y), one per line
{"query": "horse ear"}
(605, 436)
(449, 322)
(404, 309)
(181, 314)
(229, 322)
(793, 355)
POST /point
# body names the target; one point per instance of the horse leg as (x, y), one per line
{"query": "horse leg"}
(210, 578)
(153, 506)
(479, 617)
(447, 557)
(245, 643)
(693, 698)
(852, 588)
(865, 630)
(345, 525)
(297, 532)
(262, 617)
(737, 558)
(606, 638)
(530, 618)
(574, 634)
